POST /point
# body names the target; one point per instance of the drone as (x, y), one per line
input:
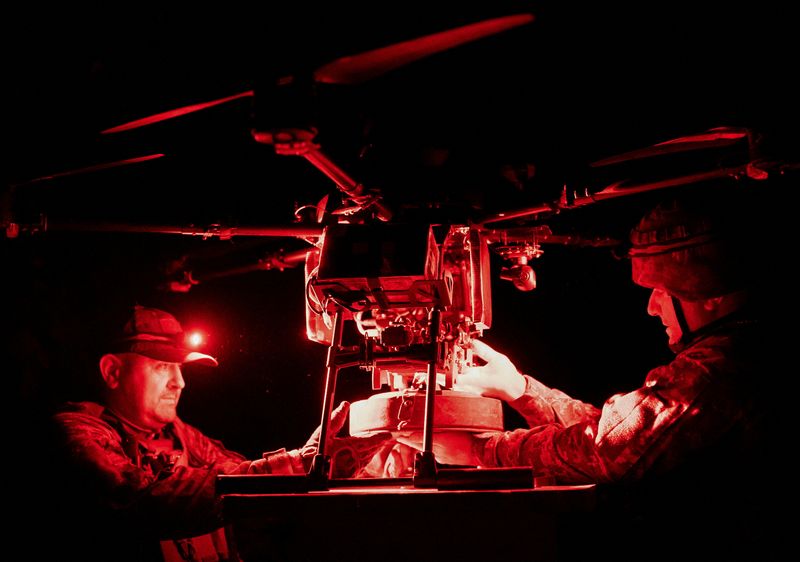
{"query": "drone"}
(417, 293)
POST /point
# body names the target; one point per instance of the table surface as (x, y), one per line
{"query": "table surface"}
(401, 522)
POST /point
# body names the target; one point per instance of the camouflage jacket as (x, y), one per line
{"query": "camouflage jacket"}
(708, 397)
(109, 466)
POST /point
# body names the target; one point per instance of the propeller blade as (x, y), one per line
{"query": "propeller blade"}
(722, 136)
(174, 113)
(371, 64)
(364, 66)
(93, 168)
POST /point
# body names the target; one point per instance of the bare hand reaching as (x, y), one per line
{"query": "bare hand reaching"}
(498, 378)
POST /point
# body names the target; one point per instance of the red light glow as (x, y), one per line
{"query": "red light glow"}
(195, 339)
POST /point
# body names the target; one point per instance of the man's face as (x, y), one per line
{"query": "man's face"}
(660, 304)
(697, 314)
(149, 390)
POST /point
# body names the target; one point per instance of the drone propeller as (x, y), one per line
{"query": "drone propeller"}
(713, 138)
(163, 116)
(361, 67)
(89, 169)
(371, 64)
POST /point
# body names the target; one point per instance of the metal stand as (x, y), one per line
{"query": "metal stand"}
(321, 464)
(425, 462)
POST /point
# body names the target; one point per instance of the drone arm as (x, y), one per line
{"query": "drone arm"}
(324, 164)
(620, 189)
(299, 142)
(571, 200)
(527, 212)
(215, 230)
(274, 261)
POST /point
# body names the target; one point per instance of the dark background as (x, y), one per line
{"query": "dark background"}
(438, 137)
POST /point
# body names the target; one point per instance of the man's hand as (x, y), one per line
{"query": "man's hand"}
(348, 454)
(498, 378)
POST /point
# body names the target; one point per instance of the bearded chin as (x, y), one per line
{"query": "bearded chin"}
(167, 413)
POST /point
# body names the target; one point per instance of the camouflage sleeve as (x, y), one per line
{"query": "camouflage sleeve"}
(631, 430)
(212, 453)
(277, 462)
(541, 405)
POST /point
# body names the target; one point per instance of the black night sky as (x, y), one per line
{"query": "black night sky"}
(438, 137)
